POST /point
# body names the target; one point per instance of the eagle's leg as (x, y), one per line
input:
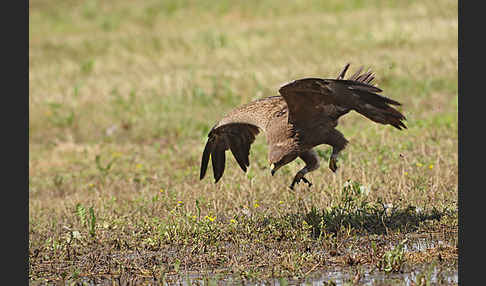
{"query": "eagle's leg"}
(338, 142)
(311, 163)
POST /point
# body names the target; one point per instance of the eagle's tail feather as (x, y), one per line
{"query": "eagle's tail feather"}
(372, 105)
(377, 108)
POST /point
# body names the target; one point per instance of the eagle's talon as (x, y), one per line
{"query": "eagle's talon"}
(307, 182)
(297, 180)
(332, 164)
(292, 185)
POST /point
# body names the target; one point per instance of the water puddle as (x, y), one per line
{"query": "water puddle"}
(436, 275)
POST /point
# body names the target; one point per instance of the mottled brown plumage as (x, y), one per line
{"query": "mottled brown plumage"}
(303, 116)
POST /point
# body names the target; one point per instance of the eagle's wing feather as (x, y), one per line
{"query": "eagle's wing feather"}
(307, 97)
(237, 131)
(234, 136)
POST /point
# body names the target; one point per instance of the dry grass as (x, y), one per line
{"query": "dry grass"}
(142, 84)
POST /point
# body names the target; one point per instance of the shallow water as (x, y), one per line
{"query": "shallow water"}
(340, 276)
(437, 274)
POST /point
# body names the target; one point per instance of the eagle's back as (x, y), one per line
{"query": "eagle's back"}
(259, 112)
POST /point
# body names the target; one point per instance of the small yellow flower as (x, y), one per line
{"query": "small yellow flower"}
(210, 218)
(419, 164)
(91, 185)
(179, 202)
(281, 202)
(161, 190)
(232, 220)
(138, 166)
(116, 154)
(431, 166)
(194, 217)
(256, 205)
(406, 173)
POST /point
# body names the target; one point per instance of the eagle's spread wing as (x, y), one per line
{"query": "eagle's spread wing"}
(237, 131)
(234, 136)
(310, 98)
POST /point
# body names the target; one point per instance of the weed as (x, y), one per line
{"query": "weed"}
(75, 272)
(59, 116)
(92, 222)
(76, 88)
(81, 213)
(58, 180)
(87, 66)
(283, 281)
(89, 222)
(104, 170)
(392, 260)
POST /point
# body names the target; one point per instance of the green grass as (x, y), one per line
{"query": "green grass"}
(121, 98)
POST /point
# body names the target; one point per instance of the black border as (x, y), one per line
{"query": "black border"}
(469, 97)
(15, 140)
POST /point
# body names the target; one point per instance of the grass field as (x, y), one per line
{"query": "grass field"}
(123, 93)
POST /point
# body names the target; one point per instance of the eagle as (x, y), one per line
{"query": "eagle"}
(303, 116)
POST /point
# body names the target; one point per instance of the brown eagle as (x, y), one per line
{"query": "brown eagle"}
(304, 115)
